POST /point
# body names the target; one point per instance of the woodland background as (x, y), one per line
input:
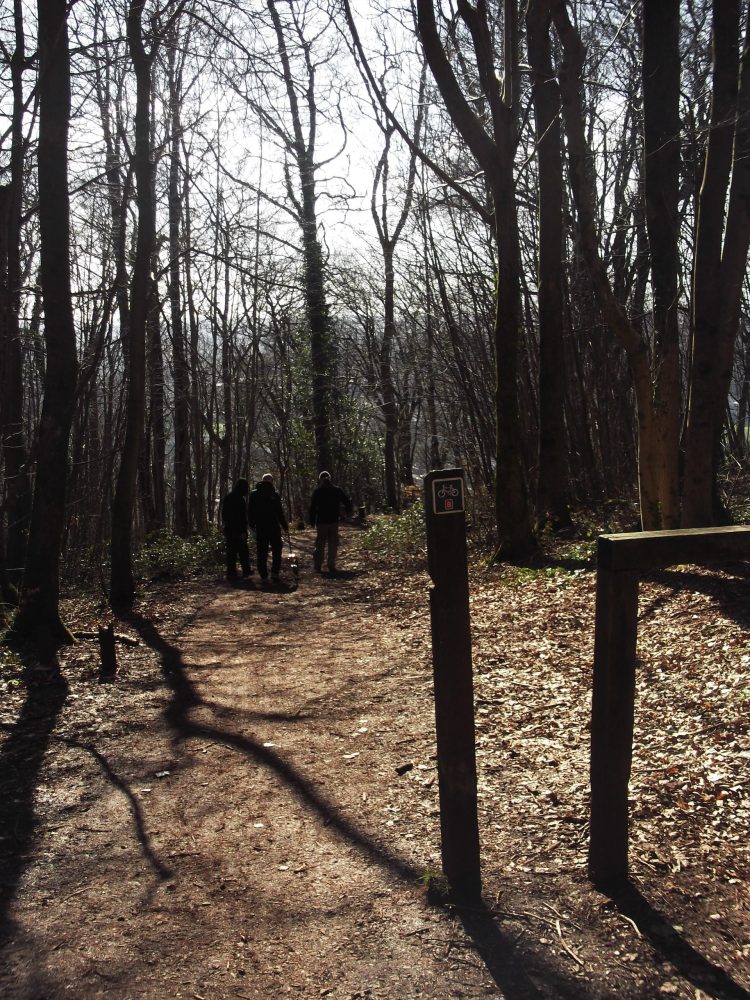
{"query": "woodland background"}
(374, 238)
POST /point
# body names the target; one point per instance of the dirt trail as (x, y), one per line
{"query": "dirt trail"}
(246, 809)
(248, 832)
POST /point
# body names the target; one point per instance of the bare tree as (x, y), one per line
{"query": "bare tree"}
(122, 583)
(15, 457)
(38, 617)
(494, 150)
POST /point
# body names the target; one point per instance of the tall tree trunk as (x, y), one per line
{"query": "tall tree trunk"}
(580, 168)
(661, 140)
(198, 494)
(736, 244)
(387, 393)
(157, 430)
(495, 154)
(706, 361)
(15, 459)
(388, 239)
(322, 352)
(181, 378)
(122, 583)
(553, 482)
(39, 615)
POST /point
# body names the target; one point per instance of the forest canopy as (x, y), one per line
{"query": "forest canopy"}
(370, 238)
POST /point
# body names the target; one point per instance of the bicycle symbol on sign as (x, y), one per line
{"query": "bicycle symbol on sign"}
(447, 496)
(447, 490)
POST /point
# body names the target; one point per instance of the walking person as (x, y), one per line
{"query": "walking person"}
(325, 511)
(234, 526)
(266, 517)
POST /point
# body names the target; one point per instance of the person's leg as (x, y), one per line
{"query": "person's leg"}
(275, 554)
(231, 554)
(262, 554)
(320, 541)
(333, 547)
(244, 554)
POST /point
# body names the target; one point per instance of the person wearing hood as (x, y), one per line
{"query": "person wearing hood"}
(325, 511)
(267, 519)
(234, 526)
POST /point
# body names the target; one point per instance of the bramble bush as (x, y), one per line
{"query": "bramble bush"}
(397, 534)
(165, 554)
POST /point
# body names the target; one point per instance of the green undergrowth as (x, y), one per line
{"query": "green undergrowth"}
(397, 535)
(167, 556)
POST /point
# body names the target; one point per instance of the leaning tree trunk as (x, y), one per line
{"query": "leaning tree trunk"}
(122, 583)
(39, 615)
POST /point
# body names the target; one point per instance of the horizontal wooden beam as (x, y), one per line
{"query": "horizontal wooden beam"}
(645, 550)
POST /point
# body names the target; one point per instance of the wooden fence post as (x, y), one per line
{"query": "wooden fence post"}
(612, 712)
(454, 692)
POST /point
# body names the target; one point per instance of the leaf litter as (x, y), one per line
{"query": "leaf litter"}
(532, 637)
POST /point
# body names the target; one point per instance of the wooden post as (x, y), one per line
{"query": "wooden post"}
(612, 712)
(454, 694)
(107, 653)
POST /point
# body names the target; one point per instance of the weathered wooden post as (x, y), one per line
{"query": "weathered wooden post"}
(621, 558)
(454, 689)
(612, 713)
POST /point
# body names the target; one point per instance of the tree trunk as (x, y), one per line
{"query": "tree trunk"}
(322, 351)
(198, 494)
(736, 244)
(388, 396)
(661, 136)
(157, 429)
(706, 361)
(39, 616)
(580, 167)
(181, 378)
(122, 583)
(15, 459)
(495, 154)
(553, 482)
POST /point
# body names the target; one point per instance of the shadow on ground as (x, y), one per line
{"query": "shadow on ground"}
(521, 972)
(21, 759)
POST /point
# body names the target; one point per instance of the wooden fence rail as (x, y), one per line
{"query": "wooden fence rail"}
(620, 560)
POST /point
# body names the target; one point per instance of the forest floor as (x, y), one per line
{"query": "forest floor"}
(249, 807)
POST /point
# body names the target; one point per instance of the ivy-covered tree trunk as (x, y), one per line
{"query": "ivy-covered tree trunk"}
(322, 352)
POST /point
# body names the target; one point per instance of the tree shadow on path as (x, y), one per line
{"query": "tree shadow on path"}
(521, 972)
(659, 930)
(21, 760)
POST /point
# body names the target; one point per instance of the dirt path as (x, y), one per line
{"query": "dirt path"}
(247, 808)
(249, 836)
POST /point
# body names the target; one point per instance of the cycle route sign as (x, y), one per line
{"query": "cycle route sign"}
(448, 495)
(444, 493)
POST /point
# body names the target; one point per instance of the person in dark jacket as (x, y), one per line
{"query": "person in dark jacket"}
(325, 511)
(267, 519)
(234, 526)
